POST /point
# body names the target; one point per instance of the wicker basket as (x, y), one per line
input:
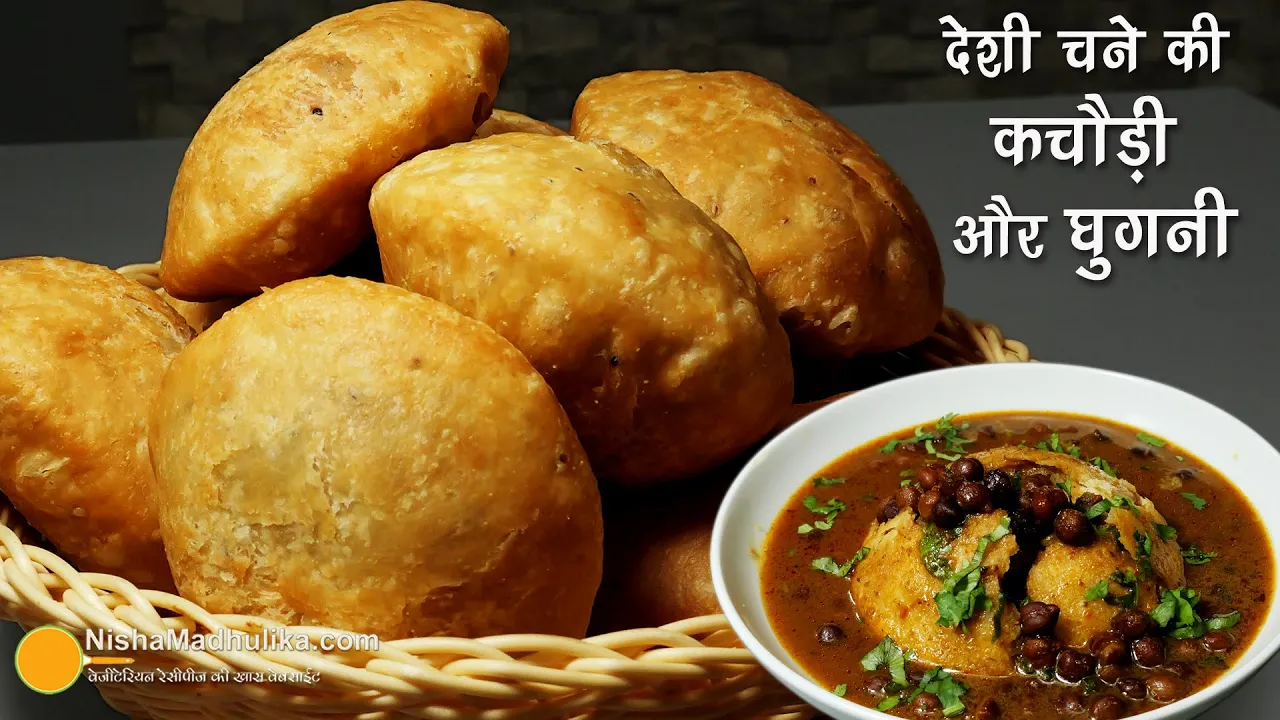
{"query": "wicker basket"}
(695, 668)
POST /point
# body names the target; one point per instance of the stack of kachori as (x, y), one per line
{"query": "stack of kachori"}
(461, 324)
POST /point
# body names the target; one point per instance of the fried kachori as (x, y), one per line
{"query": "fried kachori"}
(344, 453)
(275, 184)
(639, 310)
(82, 352)
(833, 235)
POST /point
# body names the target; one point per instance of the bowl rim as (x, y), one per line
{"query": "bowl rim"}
(829, 703)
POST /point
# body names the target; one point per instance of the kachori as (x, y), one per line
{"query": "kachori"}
(275, 184)
(835, 238)
(82, 351)
(639, 310)
(348, 454)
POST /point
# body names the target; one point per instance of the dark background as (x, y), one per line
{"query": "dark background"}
(100, 69)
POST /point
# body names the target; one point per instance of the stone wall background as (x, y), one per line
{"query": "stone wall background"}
(185, 53)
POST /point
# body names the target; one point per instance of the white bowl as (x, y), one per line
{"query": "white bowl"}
(777, 471)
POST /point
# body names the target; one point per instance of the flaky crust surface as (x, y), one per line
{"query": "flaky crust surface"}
(641, 313)
(275, 184)
(505, 121)
(833, 235)
(344, 453)
(82, 352)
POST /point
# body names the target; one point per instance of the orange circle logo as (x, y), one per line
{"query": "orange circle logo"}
(49, 660)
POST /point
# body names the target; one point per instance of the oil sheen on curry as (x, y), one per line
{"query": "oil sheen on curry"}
(1017, 566)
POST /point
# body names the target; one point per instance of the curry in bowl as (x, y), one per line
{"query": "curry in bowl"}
(1017, 566)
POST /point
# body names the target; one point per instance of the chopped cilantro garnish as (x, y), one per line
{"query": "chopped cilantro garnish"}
(1195, 556)
(1143, 542)
(831, 507)
(907, 473)
(889, 703)
(1065, 486)
(943, 442)
(1102, 591)
(1098, 592)
(1100, 508)
(1196, 501)
(831, 567)
(948, 690)
(1124, 502)
(1177, 613)
(827, 482)
(935, 546)
(962, 593)
(1151, 440)
(1166, 532)
(1102, 464)
(840, 690)
(1055, 445)
(1179, 458)
(887, 654)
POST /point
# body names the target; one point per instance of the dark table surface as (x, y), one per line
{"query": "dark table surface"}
(1208, 325)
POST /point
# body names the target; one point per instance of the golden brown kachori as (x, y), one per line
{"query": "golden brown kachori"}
(641, 313)
(349, 454)
(505, 121)
(82, 351)
(275, 184)
(833, 235)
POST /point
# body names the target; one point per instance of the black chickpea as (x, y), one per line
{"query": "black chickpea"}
(1113, 652)
(1107, 707)
(949, 484)
(1072, 528)
(973, 497)
(1069, 703)
(1149, 652)
(1040, 651)
(1110, 674)
(908, 497)
(1131, 624)
(930, 475)
(1164, 687)
(830, 634)
(988, 710)
(875, 685)
(928, 503)
(927, 705)
(1003, 489)
(947, 514)
(1106, 636)
(1046, 502)
(1074, 666)
(968, 470)
(1087, 500)
(1178, 669)
(1219, 641)
(889, 510)
(1132, 688)
(1038, 618)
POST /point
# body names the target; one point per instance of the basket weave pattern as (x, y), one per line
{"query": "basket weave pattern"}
(691, 669)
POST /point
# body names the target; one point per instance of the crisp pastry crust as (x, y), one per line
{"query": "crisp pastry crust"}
(833, 235)
(275, 184)
(505, 121)
(641, 313)
(343, 453)
(82, 352)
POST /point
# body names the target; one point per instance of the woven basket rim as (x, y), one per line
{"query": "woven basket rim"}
(692, 668)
